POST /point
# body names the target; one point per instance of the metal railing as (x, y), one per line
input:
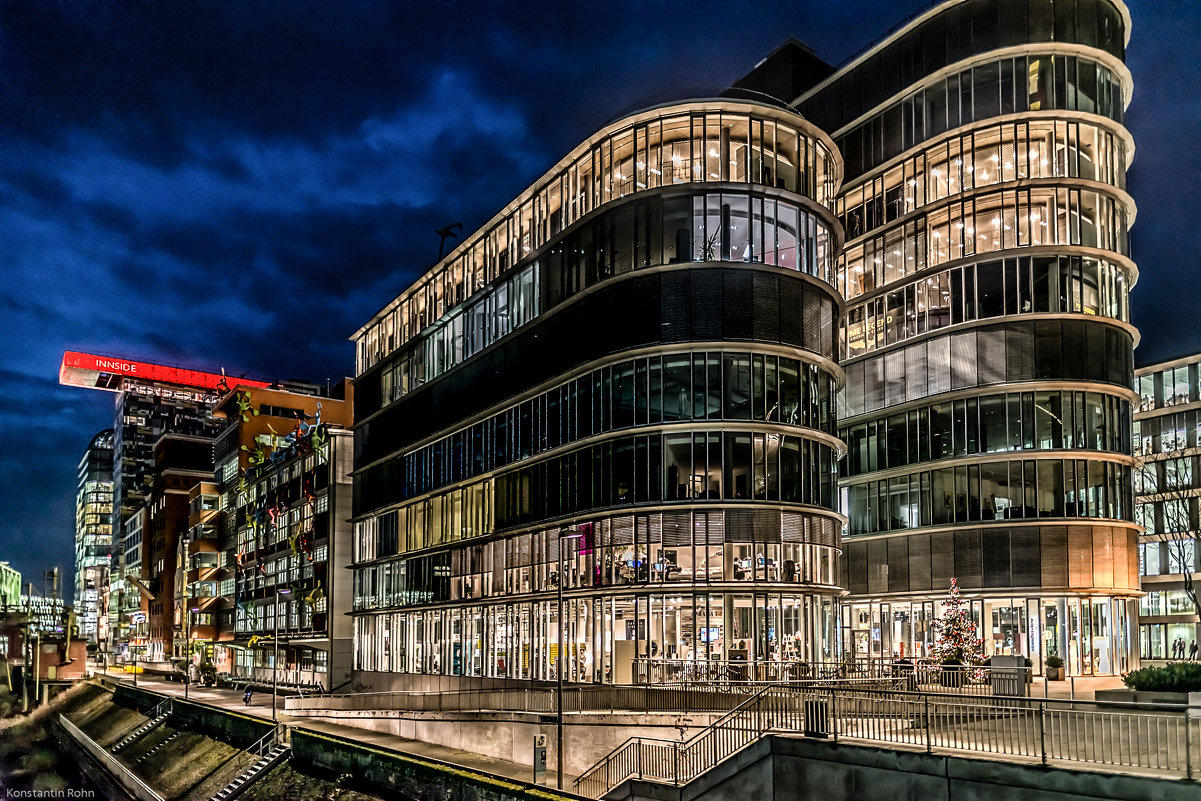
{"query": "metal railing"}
(541, 700)
(974, 680)
(1160, 739)
(122, 775)
(263, 746)
(671, 691)
(163, 707)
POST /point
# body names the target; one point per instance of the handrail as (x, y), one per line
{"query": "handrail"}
(591, 775)
(269, 740)
(123, 775)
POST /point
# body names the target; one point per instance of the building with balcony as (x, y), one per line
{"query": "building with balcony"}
(986, 340)
(1167, 442)
(275, 554)
(94, 538)
(182, 463)
(597, 440)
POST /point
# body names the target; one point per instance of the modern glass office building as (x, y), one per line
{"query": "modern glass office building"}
(94, 536)
(1167, 434)
(618, 393)
(986, 340)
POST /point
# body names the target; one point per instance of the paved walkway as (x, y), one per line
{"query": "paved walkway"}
(1080, 689)
(260, 706)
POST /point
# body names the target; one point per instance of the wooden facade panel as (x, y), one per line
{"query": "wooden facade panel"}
(1080, 557)
(919, 562)
(967, 558)
(1132, 576)
(877, 566)
(942, 559)
(1103, 548)
(1053, 547)
(898, 564)
(995, 557)
(1026, 562)
(857, 567)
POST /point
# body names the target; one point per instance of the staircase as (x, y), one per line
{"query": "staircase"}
(271, 750)
(678, 763)
(158, 716)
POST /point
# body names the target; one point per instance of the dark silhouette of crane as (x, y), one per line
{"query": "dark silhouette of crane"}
(445, 232)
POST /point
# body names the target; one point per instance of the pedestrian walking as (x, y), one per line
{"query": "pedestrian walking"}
(246, 697)
(1192, 651)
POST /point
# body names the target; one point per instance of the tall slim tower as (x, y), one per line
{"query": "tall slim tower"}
(93, 532)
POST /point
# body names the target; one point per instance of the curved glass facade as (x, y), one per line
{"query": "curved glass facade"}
(643, 399)
(992, 257)
(718, 142)
(620, 388)
(665, 228)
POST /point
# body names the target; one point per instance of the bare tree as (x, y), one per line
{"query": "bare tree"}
(1167, 488)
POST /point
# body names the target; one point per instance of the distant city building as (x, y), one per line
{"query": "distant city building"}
(10, 586)
(48, 615)
(151, 400)
(275, 557)
(93, 535)
(1167, 441)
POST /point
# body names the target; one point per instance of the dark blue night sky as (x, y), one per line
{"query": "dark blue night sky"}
(242, 185)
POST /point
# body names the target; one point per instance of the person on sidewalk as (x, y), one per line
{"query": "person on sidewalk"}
(1192, 652)
(246, 697)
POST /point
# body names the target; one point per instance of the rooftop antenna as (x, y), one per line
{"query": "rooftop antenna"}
(445, 232)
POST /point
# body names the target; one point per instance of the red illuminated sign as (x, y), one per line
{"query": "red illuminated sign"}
(105, 372)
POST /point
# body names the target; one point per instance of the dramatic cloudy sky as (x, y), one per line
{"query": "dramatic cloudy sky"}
(242, 185)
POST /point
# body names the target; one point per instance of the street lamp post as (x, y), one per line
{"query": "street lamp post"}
(564, 535)
(187, 641)
(275, 658)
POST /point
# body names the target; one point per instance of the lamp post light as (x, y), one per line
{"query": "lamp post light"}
(275, 658)
(564, 535)
(187, 641)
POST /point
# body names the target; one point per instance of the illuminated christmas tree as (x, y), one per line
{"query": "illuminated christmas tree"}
(957, 643)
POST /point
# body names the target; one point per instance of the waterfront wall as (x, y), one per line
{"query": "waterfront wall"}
(238, 730)
(407, 777)
(783, 768)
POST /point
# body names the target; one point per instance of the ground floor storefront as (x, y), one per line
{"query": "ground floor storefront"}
(604, 638)
(1094, 635)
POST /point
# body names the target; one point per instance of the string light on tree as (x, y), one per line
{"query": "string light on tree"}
(957, 643)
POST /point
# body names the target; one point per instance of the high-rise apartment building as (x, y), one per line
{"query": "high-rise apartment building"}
(270, 541)
(986, 340)
(1167, 435)
(151, 400)
(93, 535)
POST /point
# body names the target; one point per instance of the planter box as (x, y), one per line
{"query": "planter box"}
(1145, 697)
(1054, 674)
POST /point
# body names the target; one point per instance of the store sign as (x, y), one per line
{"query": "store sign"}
(98, 372)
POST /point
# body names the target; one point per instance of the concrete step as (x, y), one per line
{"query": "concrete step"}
(137, 733)
(251, 774)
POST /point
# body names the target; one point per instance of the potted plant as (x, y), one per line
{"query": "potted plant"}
(1054, 667)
